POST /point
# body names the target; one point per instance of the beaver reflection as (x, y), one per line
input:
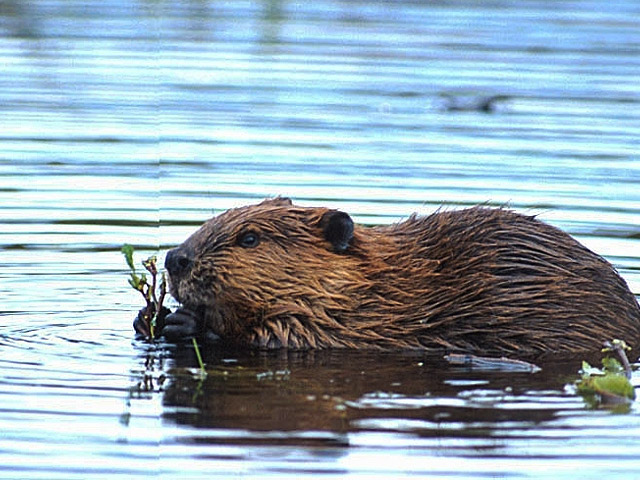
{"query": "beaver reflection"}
(348, 391)
(480, 280)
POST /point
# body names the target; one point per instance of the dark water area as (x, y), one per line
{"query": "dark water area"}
(133, 122)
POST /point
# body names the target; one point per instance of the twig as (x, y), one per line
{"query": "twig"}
(618, 347)
(149, 314)
(491, 363)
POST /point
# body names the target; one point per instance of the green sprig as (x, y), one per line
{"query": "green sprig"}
(140, 283)
(609, 385)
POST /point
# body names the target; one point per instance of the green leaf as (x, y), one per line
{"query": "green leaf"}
(608, 385)
(588, 370)
(612, 365)
(127, 250)
(150, 264)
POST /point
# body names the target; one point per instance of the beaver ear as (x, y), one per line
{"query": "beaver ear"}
(337, 228)
(278, 202)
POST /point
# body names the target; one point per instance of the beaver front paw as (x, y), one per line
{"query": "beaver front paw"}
(142, 322)
(180, 325)
(184, 324)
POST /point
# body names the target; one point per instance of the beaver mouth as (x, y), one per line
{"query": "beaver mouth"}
(182, 293)
(192, 304)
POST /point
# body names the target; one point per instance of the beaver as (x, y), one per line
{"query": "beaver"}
(479, 280)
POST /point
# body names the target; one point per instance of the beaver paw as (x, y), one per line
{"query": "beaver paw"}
(141, 323)
(185, 324)
(180, 325)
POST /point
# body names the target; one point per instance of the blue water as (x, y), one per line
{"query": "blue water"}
(133, 122)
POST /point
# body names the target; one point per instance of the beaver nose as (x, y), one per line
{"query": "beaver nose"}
(178, 261)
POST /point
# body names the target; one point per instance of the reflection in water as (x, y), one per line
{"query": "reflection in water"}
(271, 23)
(346, 391)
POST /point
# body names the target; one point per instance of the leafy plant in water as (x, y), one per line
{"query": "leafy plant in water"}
(153, 292)
(609, 385)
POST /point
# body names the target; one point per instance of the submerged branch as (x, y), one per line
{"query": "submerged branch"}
(491, 363)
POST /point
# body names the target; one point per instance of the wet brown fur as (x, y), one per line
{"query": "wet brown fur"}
(480, 280)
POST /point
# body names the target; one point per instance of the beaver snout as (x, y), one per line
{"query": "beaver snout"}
(179, 261)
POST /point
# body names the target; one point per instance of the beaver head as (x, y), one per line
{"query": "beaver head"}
(268, 274)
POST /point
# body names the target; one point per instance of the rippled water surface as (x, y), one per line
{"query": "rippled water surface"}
(134, 121)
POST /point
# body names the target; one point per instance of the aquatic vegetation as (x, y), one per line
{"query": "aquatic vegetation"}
(609, 385)
(152, 290)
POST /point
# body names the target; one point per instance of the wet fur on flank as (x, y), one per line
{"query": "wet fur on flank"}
(481, 280)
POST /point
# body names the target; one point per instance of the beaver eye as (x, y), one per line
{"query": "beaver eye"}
(248, 239)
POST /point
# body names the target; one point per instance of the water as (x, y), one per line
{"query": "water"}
(135, 121)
